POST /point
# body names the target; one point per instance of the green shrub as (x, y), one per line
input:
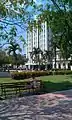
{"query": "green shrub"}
(63, 72)
(29, 74)
(25, 75)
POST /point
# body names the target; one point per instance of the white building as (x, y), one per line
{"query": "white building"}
(45, 39)
(60, 62)
(44, 42)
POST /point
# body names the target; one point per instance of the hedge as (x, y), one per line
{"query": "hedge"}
(29, 74)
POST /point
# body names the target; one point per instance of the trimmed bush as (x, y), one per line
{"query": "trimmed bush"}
(63, 72)
(25, 75)
(29, 74)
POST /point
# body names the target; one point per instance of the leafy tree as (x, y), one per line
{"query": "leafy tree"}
(15, 14)
(43, 60)
(12, 49)
(46, 58)
(4, 59)
(16, 10)
(48, 55)
(21, 60)
(58, 15)
(11, 36)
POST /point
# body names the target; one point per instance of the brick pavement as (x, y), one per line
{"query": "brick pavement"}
(52, 106)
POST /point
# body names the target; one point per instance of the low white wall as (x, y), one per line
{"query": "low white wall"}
(4, 74)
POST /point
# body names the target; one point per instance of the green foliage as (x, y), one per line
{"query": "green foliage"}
(13, 32)
(10, 36)
(12, 48)
(14, 8)
(14, 13)
(57, 13)
(4, 59)
(18, 59)
(21, 59)
(59, 17)
(24, 75)
(35, 55)
(28, 74)
(63, 72)
(21, 38)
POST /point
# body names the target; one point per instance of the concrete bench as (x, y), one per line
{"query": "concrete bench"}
(17, 88)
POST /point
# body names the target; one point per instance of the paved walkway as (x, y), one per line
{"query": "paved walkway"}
(53, 106)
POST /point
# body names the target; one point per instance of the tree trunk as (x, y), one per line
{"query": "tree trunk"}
(55, 55)
(64, 64)
(15, 56)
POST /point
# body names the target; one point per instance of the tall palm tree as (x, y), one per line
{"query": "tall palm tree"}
(13, 48)
(35, 55)
(48, 57)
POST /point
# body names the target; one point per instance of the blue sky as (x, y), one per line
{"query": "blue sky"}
(23, 32)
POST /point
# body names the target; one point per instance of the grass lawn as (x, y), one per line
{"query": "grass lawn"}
(9, 80)
(51, 83)
(57, 82)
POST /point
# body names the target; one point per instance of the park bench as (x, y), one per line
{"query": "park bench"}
(19, 88)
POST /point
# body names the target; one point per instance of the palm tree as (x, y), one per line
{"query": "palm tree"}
(13, 48)
(48, 57)
(35, 55)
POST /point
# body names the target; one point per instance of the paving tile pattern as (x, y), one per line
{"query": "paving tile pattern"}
(53, 106)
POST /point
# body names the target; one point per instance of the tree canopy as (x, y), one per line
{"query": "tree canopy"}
(57, 13)
(14, 14)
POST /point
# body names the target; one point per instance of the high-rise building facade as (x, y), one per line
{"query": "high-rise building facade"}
(37, 39)
(43, 40)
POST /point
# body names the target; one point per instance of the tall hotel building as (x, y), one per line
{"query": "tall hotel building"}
(44, 39)
(33, 39)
